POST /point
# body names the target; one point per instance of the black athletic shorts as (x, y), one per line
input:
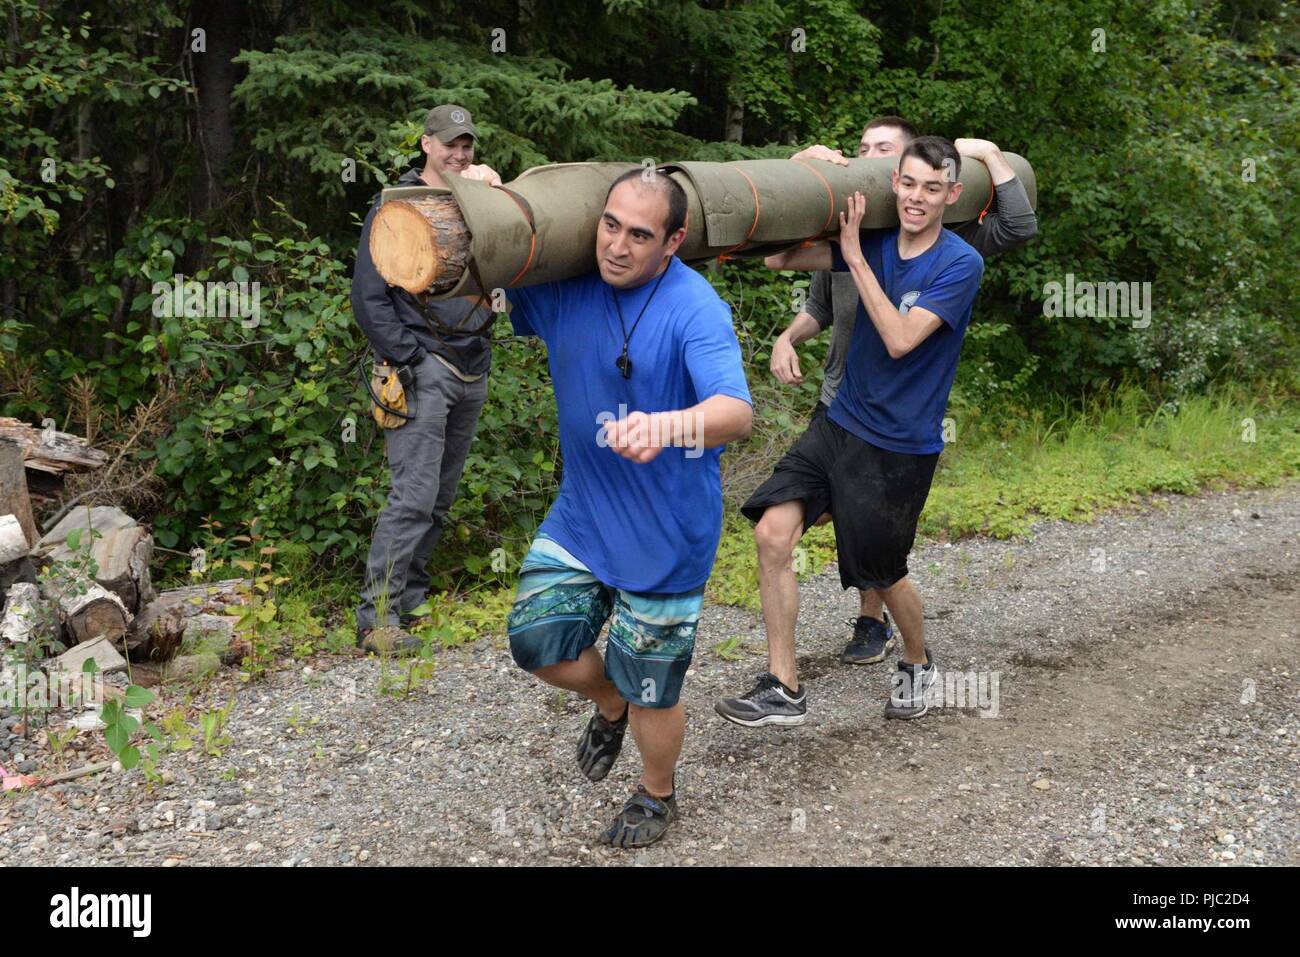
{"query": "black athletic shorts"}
(875, 496)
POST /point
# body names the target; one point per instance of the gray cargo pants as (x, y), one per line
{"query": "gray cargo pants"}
(425, 459)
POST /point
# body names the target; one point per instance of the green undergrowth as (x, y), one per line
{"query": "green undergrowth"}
(1000, 473)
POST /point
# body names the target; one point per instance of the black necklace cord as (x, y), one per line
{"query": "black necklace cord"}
(623, 363)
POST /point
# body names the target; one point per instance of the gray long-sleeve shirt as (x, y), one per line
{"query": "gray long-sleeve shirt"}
(833, 297)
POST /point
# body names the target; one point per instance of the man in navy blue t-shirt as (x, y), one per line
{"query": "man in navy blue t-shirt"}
(649, 386)
(871, 458)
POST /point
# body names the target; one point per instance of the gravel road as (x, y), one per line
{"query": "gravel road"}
(1140, 682)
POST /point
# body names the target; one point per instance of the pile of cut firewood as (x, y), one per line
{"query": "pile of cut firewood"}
(83, 588)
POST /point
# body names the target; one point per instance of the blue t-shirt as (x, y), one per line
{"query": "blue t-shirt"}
(898, 404)
(643, 527)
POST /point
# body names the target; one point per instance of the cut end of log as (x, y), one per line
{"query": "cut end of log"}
(100, 620)
(420, 245)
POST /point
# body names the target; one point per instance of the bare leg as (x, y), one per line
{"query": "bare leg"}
(905, 605)
(776, 535)
(586, 675)
(659, 733)
(870, 604)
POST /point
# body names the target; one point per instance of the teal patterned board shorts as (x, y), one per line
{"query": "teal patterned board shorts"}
(561, 607)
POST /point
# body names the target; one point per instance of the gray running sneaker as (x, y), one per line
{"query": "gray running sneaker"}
(600, 744)
(642, 821)
(768, 702)
(909, 695)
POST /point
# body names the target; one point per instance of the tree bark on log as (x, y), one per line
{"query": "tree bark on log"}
(156, 633)
(14, 497)
(51, 451)
(27, 615)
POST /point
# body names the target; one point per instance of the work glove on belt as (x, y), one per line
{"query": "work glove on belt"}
(388, 394)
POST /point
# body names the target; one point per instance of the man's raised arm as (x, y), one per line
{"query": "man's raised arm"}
(1010, 221)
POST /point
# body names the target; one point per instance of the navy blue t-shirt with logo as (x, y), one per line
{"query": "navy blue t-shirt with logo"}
(898, 404)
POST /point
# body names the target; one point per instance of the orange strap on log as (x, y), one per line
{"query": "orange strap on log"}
(527, 210)
(758, 206)
(993, 190)
(830, 193)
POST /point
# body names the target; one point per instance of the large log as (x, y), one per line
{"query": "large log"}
(122, 552)
(49, 450)
(14, 497)
(158, 630)
(422, 242)
(542, 226)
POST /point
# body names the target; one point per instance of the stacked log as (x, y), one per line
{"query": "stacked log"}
(14, 498)
(51, 451)
(89, 611)
(27, 616)
(158, 631)
(423, 243)
(121, 549)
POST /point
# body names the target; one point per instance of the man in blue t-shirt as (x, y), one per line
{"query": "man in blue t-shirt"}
(649, 386)
(871, 458)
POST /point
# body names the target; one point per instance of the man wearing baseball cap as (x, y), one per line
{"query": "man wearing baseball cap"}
(449, 138)
(442, 350)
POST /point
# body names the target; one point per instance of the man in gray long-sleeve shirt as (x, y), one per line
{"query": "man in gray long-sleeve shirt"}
(444, 348)
(833, 301)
